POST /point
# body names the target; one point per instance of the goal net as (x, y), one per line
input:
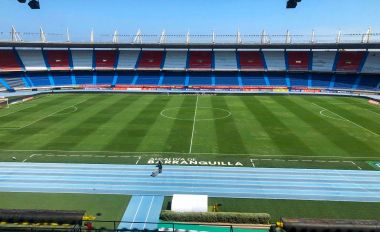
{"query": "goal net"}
(4, 103)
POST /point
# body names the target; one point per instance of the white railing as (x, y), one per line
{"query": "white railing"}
(212, 38)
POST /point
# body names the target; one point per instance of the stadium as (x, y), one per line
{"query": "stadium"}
(216, 132)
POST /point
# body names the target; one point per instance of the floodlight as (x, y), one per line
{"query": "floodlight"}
(34, 4)
(292, 3)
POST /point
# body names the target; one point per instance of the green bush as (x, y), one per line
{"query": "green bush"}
(221, 217)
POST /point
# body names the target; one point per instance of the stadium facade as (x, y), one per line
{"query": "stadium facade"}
(263, 67)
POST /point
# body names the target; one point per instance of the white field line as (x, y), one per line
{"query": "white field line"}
(345, 119)
(356, 165)
(74, 105)
(197, 153)
(194, 120)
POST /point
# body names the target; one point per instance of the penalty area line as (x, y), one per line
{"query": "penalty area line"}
(345, 119)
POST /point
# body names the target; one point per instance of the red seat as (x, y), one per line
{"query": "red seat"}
(151, 60)
(200, 60)
(9, 61)
(251, 61)
(349, 61)
(58, 59)
(105, 60)
(298, 60)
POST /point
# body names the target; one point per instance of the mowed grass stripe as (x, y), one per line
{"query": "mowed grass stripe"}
(282, 136)
(337, 137)
(37, 111)
(133, 133)
(24, 137)
(305, 121)
(360, 119)
(228, 136)
(157, 135)
(105, 131)
(180, 130)
(78, 125)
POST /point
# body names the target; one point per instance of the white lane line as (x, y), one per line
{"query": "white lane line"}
(147, 215)
(194, 119)
(345, 119)
(356, 165)
(137, 210)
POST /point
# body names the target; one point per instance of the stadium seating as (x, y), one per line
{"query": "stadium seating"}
(323, 61)
(125, 77)
(127, 59)
(275, 60)
(174, 78)
(372, 64)
(175, 60)
(369, 82)
(58, 59)
(321, 80)
(33, 60)
(298, 61)
(84, 78)
(226, 78)
(251, 60)
(298, 79)
(104, 78)
(39, 79)
(200, 60)
(9, 61)
(13, 80)
(105, 59)
(349, 61)
(276, 79)
(82, 59)
(252, 79)
(200, 78)
(225, 60)
(148, 78)
(151, 60)
(62, 78)
(345, 81)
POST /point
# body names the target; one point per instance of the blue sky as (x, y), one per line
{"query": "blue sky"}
(197, 16)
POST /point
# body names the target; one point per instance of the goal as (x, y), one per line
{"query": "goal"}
(4, 103)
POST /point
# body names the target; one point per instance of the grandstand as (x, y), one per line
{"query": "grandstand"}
(350, 70)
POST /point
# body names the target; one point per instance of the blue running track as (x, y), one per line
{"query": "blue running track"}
(142, 213)
(269, 183)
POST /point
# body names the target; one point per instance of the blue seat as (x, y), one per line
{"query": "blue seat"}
(84, 78)
(345, 81)
(253, 79)
(370, 82)
(277, 79)
(61, 78)
(148, 78)
(321, 80)
(39, 79)
(226, 78)
(174, 78)
(125, 78)
(200, 78)
(104, 78)
(299, 79)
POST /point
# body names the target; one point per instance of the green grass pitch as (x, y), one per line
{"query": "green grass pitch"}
(261, 131)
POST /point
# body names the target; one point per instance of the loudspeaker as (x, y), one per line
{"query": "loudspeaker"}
(34, 4)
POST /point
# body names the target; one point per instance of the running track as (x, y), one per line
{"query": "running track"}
(269, 183)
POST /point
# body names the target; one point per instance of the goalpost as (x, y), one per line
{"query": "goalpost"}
(4, 103)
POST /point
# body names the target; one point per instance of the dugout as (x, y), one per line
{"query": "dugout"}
(327, 225)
